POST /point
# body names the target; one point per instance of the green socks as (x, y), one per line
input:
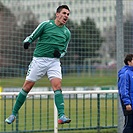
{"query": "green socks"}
(59, 102)
(58, 97)
(19, 101)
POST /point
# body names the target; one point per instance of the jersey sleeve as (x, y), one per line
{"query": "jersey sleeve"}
(125, 90)
(36, 33)
(67, 42)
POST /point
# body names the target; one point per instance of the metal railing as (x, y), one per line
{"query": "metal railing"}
(88, 110)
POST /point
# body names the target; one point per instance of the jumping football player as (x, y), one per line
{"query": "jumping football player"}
(53, 38)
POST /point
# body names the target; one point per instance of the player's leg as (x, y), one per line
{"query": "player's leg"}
(55, 77)
(32, 76)
(128, 127)
(20, 100)
(59, 100)
(58, 97)
(22, 96)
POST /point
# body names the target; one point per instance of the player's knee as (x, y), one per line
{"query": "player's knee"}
(28, 86)
(56, 84)
(57, 87)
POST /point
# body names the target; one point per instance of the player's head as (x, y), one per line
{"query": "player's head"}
(62, 7)
(129, 60)
(62, 14)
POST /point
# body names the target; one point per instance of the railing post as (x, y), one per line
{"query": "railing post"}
(17, 120)
(4, 112)
(55, 119)
(119, 52)
(98, 113)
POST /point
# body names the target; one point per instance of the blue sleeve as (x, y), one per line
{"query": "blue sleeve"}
(125, 89)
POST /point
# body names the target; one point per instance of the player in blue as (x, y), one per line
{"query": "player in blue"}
(125, 87)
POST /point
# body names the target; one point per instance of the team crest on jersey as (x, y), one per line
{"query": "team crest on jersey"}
(51, 23)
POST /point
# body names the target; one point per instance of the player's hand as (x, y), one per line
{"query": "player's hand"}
(26, 45)
(128, 107)
(57, 54)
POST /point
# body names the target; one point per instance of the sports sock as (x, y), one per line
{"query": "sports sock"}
(59, 102)
(19, 101)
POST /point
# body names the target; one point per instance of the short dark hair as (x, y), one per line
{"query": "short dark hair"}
(61, 7)
(129, 57)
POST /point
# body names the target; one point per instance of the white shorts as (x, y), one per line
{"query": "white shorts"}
(41, 66)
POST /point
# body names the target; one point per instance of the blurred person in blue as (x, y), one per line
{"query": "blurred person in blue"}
(125, 88)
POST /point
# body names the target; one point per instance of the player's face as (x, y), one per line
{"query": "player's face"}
(62, 16)
(130, 63)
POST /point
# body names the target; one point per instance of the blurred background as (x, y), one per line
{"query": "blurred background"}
(92, 49)
(102, 34)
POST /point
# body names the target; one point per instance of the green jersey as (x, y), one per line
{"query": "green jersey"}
(50, 37)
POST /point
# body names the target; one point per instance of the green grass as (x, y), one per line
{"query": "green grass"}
(99, 79)
(113, 130)
(67, 81)
(26, 118)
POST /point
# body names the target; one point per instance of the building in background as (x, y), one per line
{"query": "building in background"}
(103, 12)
